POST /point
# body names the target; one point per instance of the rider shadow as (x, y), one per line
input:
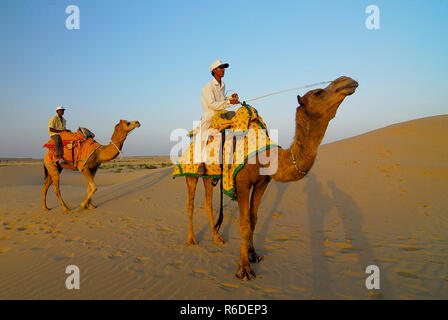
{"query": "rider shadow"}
(318, 205)
(351, 217)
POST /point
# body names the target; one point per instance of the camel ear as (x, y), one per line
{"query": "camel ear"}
(299, 100)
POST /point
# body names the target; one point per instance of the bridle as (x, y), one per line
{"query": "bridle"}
(295, 164)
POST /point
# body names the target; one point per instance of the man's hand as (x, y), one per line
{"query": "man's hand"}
(234, 99)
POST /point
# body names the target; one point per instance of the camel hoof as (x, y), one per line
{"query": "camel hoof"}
(192, 241)
(92, 206)
(245, 273)
(254, 258)
(83, 206)
(66, 210)
(45, 209)
(218, 239)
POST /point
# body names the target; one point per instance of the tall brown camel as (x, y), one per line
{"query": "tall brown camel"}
(316, 109)
(99, 156)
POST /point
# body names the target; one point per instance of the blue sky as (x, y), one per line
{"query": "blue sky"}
(148, 60)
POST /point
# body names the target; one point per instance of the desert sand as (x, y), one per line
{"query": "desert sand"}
(380, 198)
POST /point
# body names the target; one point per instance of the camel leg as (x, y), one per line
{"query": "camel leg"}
(91, 188)
(55, 178)
(191, 184)
(244, 271)
(209, 209)
(257, 194)
(45, 187)
(90, 203)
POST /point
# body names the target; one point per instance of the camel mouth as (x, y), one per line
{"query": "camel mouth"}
(351, 87)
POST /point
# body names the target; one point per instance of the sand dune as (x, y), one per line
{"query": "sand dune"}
(376, 199)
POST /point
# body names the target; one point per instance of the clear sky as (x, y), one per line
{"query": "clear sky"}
(148, 61)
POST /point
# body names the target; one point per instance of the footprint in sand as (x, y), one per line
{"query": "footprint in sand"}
(27, 227)
(64, 256)
(386, 260)
(329, 254)
(176, 264)
(271, 290)
(422, 291)
(89, 242)
(141, 259)
(406, 273)
(408, 247)
(72, 239)
(281, 238)
(375, 295)
(11, 227)
(276, 215)
(202, 274)
(116, 255)
(227, 286)
(424, 205)
(57, 235)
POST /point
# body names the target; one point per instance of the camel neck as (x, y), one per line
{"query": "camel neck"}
(309, 133)
(112, 150)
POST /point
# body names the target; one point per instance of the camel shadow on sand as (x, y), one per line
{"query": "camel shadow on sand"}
(122, 190)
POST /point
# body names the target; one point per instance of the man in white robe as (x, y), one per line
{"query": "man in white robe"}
(213, 99)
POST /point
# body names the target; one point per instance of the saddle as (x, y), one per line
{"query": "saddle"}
(228, 152)
(77, 148)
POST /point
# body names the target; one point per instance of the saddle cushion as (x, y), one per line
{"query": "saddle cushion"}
(77, 150)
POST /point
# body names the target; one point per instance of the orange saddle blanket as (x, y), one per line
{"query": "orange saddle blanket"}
(77, 150)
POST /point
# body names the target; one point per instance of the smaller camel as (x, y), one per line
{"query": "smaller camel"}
(100, 155)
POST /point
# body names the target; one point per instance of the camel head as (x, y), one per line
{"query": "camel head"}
(323, 103)
(126, 126)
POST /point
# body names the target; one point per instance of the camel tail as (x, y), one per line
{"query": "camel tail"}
(45, 172)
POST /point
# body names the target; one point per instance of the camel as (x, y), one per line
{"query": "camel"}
(102, 154)
(316, 109)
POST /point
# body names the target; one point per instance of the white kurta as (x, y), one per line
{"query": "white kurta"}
(213, 99)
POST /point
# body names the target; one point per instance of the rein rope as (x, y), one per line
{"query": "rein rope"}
(291, 89)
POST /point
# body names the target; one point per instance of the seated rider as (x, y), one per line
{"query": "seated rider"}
(56, 125)
(213, 100)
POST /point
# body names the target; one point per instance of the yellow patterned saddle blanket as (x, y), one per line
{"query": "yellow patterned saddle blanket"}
(245, 135)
